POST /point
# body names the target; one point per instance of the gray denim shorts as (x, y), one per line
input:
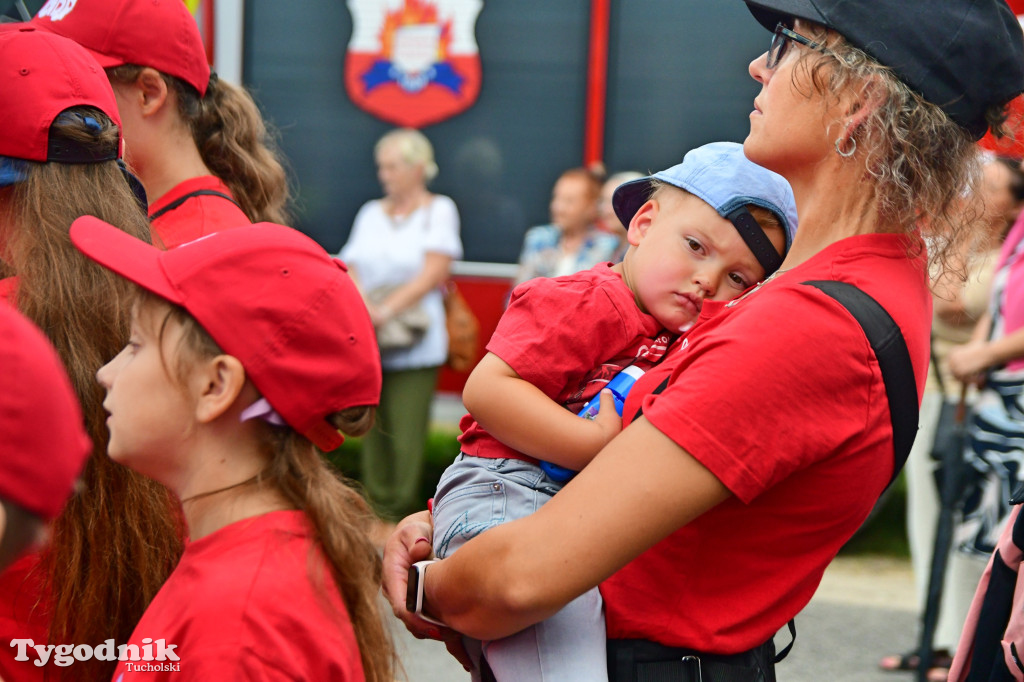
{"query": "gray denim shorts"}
(477, 493)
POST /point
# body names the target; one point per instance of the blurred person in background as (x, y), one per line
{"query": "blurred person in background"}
(571, 241)
(957, 305)
(399, 253)
(993, 360)
(606, 218)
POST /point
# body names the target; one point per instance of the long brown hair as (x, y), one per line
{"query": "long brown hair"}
(338, 514)
(103, 565)
(233, 141)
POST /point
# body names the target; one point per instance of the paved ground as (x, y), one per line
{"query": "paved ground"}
(863, 610)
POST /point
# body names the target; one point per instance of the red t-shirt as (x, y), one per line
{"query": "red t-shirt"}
(780, 396)
(251, 601)
(9, 289)
(568, 336)
(197, 216)
(24, 614)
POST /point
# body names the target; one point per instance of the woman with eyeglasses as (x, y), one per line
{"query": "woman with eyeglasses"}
(709, 520)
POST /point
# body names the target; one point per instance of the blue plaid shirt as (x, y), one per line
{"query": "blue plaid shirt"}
(542, 252)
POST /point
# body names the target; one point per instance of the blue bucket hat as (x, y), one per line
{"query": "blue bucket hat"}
(722, 176)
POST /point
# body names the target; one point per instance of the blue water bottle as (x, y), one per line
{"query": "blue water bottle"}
(619, 385)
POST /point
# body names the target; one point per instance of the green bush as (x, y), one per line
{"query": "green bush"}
(441, 448)
(885, 531)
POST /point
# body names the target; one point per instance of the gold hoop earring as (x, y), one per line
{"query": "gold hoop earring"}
(849, 152)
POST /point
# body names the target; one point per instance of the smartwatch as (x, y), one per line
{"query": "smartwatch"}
(414, 590)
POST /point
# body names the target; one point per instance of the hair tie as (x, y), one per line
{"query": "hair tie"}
(92, 124)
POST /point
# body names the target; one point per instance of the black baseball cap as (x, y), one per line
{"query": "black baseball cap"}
(961, 55)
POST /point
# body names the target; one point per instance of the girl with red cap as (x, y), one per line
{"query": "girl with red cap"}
(251, 354)
(198, 144)
(59, 158)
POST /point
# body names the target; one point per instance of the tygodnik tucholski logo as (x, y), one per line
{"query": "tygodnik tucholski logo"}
(152, 656)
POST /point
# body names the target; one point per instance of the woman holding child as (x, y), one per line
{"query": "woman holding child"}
(709, 520)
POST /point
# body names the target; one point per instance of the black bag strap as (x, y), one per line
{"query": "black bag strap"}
(935, 366)
(198, 193)
(890, 349)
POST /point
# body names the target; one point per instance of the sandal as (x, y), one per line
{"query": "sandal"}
(909, 661)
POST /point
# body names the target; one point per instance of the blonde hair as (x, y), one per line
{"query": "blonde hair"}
(102, 566)
(338, 514)
(233, 140)
(414, 148)
(925, 167)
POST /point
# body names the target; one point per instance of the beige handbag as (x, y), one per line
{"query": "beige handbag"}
(405, 328)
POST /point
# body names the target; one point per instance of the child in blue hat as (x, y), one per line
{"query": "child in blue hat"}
(706, 229)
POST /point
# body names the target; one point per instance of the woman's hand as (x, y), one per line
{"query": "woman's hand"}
(969, 362)
(409, 543)
(379, 314)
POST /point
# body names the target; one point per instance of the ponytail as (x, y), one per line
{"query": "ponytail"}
(233, 141)
(340, 519)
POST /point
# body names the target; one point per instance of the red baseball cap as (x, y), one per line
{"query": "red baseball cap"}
(161, 34)
(41, 75)
(271, 297)
(43, 445)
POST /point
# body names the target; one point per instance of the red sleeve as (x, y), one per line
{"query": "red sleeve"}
(555, 331)
(754, 407)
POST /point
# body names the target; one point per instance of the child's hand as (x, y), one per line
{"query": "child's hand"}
(607, 418)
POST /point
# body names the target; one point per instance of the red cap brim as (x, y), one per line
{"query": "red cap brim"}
(118, 251)
(105, 60)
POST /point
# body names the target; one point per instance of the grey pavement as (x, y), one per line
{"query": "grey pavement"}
(863, 610)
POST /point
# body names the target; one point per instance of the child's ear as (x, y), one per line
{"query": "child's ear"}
(152, 91)
(641, 222)
(220, 382)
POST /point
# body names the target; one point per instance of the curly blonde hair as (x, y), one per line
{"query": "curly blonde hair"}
(925, 167)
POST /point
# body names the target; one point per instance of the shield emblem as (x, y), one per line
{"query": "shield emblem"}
(413, 62)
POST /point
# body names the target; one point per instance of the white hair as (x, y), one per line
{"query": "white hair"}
(414, 148)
